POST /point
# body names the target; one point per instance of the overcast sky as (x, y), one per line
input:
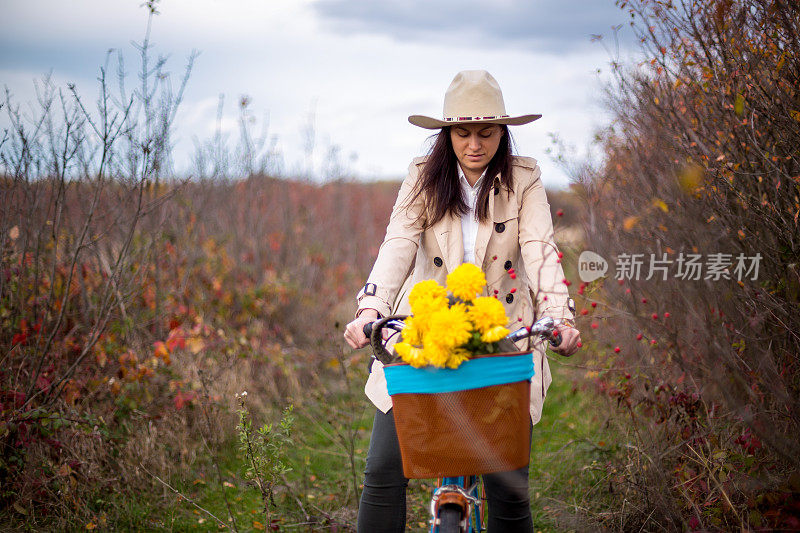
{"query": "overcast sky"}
(359, 67)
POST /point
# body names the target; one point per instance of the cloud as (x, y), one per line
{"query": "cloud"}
(362, 79)
(550, 26)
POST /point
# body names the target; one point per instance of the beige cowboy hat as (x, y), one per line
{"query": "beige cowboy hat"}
(473, 96)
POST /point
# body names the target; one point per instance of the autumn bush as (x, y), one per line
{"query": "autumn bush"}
(251, 289)
(700, 353)
(134, 306)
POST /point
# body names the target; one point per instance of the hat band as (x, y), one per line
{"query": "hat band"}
(454, 119)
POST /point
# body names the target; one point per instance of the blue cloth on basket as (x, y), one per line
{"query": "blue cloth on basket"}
(472, 374)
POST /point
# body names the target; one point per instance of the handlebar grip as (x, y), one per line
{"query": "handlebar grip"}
(556, 339)
(368, 329)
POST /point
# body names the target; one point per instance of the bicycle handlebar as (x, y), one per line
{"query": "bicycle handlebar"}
(394, 324)
(545, 328)
(373, 331)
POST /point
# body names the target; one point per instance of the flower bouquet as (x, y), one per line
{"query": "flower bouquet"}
(446, 330)
(460, 399)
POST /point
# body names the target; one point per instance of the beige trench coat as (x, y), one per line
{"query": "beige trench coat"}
(518, 235)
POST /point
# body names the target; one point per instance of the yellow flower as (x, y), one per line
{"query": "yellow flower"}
(402, 349)
(449, 327)
(448, 330)
(426, 288)
(411, 354)
(457, 357)
(495, 334)
(466, 281)
(487, 313)
(425, 306)
(437, 334)
(414, 331)
(436, 354)
(426, 297)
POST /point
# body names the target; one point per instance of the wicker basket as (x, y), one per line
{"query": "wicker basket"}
(470, 420)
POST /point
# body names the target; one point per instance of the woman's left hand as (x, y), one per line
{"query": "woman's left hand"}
(570, 337)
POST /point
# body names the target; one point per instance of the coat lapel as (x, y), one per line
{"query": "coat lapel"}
(485, 229)
(450, 240)
(455, 250)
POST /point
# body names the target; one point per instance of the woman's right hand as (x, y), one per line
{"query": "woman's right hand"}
(354, 331)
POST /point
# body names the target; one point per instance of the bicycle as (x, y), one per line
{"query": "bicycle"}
(458, 503)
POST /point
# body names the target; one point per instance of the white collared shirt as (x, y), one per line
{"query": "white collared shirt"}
(469, 222)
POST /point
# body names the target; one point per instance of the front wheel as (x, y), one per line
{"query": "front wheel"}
(449, 519)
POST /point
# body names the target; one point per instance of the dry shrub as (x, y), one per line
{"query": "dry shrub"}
(134, 306)
(80, 185)
(702, 159)
(251, 291)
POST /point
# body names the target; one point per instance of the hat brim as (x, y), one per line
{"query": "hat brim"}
(430, 123)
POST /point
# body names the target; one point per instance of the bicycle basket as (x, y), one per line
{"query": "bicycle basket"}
(470, 420)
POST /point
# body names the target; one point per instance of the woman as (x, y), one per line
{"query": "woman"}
(470, 200)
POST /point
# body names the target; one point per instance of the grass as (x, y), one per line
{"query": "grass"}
(570, 447)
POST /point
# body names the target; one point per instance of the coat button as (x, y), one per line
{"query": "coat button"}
(437, 261)
(499, 227)
(509, 298)
(507, 265)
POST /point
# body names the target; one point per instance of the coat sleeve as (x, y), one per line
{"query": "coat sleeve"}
(399, 247)
(539, 250)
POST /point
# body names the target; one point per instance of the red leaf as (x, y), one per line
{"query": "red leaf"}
(176, 340)
(182, 399)
(43, 383)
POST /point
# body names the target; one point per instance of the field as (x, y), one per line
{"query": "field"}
(171, 353)
(143, 433)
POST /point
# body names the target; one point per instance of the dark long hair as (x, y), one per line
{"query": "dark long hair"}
(438, 181)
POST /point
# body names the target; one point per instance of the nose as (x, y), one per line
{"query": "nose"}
(474, 142)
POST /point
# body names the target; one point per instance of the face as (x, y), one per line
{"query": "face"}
(475, 145)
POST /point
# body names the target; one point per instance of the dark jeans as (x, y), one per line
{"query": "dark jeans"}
(383, 500)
